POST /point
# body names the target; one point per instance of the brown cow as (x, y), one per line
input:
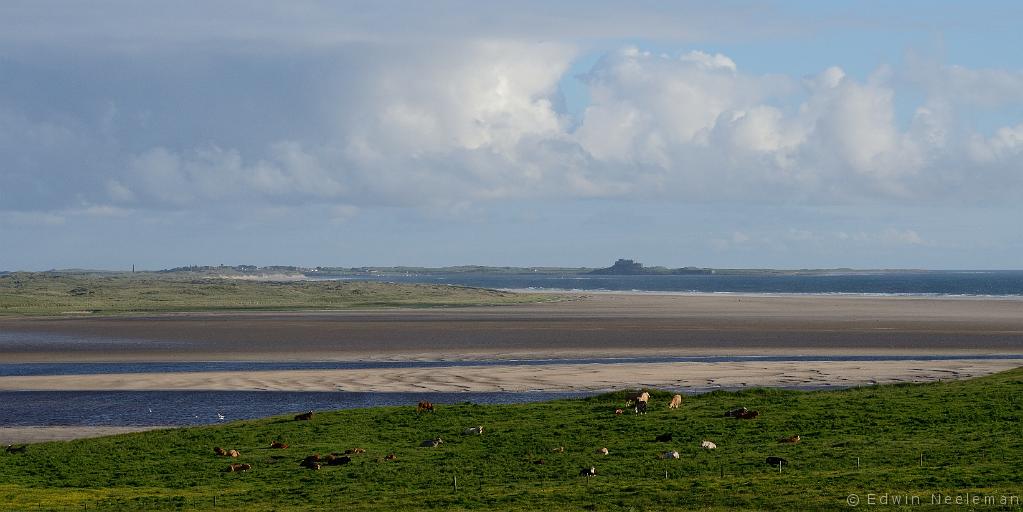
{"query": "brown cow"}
(619, 411)
(277, 445)
(748, 415)
(734, 413)
(219, 451)
(353, 451)
(424, 406)
(233, 453)
(560, 449)
(238, 467)
(334, 460)
(311, 462)
(676, 401)
(305, 416)
(792, 439)
(391, 456)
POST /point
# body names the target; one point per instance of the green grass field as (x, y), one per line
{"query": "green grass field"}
(950, 438)
(60, 293)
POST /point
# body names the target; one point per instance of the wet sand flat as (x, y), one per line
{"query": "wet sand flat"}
(593, 325)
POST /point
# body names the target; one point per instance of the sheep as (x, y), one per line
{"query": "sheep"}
(708, 445)
(601, 451)
(676, 401)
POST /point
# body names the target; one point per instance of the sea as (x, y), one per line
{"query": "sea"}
(951, 283)
(145, 408)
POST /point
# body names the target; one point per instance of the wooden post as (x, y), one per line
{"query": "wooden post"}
(857, 462)
(454, 483)
(665, 474)
(779, 466)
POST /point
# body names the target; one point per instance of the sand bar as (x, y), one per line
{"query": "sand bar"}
(555, 377)
(594, 325)
(19, 435)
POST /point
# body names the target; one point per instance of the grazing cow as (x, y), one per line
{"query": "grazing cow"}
(676, 401)
(424, 406)
(233, 454)
(311, 462)
(473, 431)
(735, 413)
(333, 460)
(791, 440)
(390, 456)
(590, 471)
(305, 416)
(619, 411)
(353, 451)
(560, 449)
(233, 468)
(748, 415)
(636, 399)
(602, 451)
(776, 461)
(15, 449)
(708, 445)
(220, 451)
(670, 455)
(640, 407)
(432, 443)
(278, 445)
(664, 438)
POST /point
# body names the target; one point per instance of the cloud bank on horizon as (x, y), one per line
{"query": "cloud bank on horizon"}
(227, 117)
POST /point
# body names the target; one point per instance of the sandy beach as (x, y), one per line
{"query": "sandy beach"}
(589, 326)
(554, 377)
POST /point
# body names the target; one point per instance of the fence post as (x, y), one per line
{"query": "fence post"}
(454, 483)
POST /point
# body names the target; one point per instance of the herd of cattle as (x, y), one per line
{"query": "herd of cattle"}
(638, 403)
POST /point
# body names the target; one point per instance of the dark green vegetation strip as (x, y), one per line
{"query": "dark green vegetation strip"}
(58, 293)
(904, 440)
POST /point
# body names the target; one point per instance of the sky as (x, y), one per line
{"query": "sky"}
(716, 134)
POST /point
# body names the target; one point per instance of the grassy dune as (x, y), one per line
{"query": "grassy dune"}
(970, 434)
(55, 293)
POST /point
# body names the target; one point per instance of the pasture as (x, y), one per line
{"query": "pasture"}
(950, 438)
